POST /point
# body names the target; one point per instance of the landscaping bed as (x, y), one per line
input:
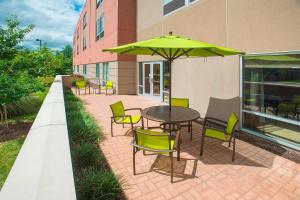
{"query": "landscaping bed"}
(11, 141)
(93, 178)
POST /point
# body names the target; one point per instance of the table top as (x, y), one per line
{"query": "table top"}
(177, 114)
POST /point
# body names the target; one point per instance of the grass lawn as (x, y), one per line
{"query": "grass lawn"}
(8, 153)
(11, 141)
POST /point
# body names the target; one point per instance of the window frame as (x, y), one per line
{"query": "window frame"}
(281, 141)
(100, 23)
(98, 3)
(186, 4)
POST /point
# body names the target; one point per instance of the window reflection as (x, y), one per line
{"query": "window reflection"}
(272, 85)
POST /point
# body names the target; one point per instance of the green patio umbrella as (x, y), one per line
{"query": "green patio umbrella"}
(172, 47)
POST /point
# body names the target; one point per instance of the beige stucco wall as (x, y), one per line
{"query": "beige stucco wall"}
(127, 78)
(250, 26)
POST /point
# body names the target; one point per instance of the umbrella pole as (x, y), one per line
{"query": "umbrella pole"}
(170, 84)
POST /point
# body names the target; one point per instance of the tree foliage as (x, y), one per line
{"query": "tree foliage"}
(24, 71)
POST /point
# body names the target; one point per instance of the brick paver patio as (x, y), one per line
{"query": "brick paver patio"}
(256, 173)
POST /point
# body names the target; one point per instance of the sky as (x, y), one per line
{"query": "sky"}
(54, 20)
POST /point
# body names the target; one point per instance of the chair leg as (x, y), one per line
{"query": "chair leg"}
(111, 127)
(202, 144)
(133, 159)
(233, 151)
(123, 125)
(132, 129)
(191, 129)
(142, 122)
(178, 149)
(171, 157)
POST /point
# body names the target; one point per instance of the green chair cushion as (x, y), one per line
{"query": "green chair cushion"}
(216, 134)
(126, 120)
(152, 140)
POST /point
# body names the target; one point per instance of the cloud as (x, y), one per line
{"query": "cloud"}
(54, 20)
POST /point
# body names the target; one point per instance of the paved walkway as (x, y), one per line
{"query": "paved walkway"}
(256, 173)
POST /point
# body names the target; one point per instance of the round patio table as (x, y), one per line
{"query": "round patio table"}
(177, 115)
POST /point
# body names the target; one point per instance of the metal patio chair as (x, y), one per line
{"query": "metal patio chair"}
(119, 116)
(226, 135)
(157, 142)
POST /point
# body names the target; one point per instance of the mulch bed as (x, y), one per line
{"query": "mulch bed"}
(14, 131)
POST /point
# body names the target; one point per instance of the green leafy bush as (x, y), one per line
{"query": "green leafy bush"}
(83, 129)
(97, 184)
(26, 105)
(86, 156)
(92, 178)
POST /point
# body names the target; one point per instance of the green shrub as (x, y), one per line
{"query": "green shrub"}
(46, 81)
(83, 130)
(26, 105)
(97, 184)
(92, 180)
(86, 156)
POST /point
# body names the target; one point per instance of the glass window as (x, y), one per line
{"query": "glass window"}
(97, 71)
(78, 68)
(172, 5)
(84, 21)
(105, 74)
(271, 94)
(98, 2)
(84, 39)
(140, 84)
(100, 27)
(84, 69)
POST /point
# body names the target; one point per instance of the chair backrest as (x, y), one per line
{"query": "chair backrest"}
(109, 84)
(143, 138)
(80, 84)
(180, 102)
(117, 109)
(232, 122)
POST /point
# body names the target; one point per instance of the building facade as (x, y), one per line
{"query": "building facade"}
(262, 87)
(104, 24)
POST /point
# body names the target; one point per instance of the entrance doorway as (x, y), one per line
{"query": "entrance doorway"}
(153, 79)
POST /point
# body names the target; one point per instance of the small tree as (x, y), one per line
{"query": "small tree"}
(13, 86)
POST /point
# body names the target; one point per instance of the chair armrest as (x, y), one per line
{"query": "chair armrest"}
(121, 116)
(133, 109)
(150, 149)
(214, 120)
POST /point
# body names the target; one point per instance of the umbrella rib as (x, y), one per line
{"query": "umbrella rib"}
(126, 51)
(176, 52)
(165, 53)
(156, 52)
(214, 52)
(183, 53)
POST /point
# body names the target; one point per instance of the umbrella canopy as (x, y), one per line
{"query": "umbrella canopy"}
(172, 47)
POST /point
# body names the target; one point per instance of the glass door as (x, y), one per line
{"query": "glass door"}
(147, 79)
(152, 79)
